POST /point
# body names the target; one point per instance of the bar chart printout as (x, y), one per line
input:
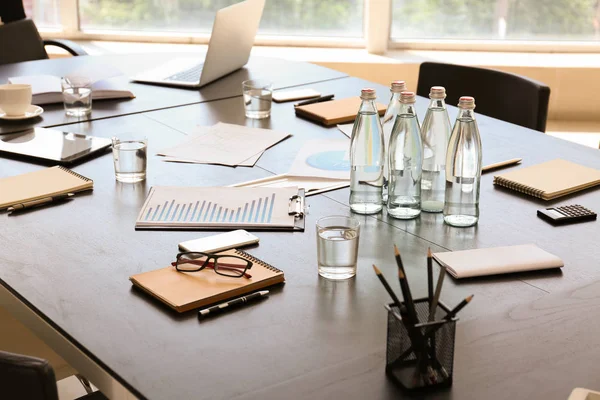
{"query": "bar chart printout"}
(181, 207)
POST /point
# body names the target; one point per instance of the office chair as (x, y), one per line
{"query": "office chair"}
(502, 95)
(20, 39)
(25, 377)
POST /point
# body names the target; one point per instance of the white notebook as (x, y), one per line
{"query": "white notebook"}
(497, 260)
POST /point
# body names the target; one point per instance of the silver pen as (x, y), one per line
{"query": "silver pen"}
(233, 303)
(39, 202)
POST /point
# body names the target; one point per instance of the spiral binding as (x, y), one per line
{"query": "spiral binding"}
(75, 174)
(257, 261)
(519, 187)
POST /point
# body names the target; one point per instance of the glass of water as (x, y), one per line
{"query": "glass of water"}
(130, 157)
(337, 246)
(258, 95)
(77, 96)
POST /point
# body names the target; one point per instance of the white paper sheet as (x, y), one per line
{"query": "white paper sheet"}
(225, 144)
(346, 129)
(323, 158)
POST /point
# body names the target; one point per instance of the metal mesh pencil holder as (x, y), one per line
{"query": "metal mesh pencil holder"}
(430, 364)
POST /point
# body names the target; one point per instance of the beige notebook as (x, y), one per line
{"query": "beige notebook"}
(39, 184)
(550, 180)
(334, 112)
(184, 291)
(497, 260)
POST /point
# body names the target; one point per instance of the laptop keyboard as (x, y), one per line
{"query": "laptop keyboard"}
(191, 75)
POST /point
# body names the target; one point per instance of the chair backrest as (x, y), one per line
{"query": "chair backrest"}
(25, 377)
(11, 10)
(509, 97)
(21, 41)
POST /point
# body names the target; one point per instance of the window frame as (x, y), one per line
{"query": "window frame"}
(375, 10)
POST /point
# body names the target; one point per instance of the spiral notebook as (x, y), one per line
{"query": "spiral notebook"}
(550, 180)
(42, 183)
(184, 291)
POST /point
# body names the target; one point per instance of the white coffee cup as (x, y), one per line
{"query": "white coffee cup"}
(15, 99)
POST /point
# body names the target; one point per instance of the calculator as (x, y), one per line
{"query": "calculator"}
(566, 214)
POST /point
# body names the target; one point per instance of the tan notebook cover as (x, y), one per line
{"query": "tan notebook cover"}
(497, 260)
(39, 184)
(184, 291)
(334, 112)
(550, 180)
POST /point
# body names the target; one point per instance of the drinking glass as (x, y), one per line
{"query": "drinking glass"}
(77, 96)
(130, 157)
(337, 246)
(258, 95)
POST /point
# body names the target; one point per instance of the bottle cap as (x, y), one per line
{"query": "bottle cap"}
(368, 94)
(398, 87)
(467, 102)
(437, 92)
(407, 97)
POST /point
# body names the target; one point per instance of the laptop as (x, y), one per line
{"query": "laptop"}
(229, 49)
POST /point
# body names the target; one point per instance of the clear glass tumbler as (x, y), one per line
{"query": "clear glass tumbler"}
(258, 94)
(337, 246)
(77, 96)
(130, 157)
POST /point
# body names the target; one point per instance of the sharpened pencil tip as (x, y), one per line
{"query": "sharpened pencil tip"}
(429, 252)
(377, 271)
(400, 273)
(396, 251)
(468, 299)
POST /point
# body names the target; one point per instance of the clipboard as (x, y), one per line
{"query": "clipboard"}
(223, 208)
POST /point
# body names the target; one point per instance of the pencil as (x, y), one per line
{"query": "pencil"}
(408, 300)
(500, 164)
(429, 276)
(452, 313)
(417, 338)
(436, 296)
(388, 288)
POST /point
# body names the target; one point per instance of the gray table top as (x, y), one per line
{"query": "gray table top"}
(312, 338)
(282, 73)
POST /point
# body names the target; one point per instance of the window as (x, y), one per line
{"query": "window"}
(45, 13)
(338, 18)
(496, 19)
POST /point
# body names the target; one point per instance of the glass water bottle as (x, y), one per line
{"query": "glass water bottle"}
(405, 162)
(366, 157)
(388, 120)
(435, 133)
(463, 168)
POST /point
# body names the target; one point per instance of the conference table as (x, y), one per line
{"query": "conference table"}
(64, 269)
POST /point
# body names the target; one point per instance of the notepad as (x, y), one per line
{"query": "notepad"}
(46, 89)
(39, 184)
(334, 112)
(497, 260)
(184, 291)
(550, 180)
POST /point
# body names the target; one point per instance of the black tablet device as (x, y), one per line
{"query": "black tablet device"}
(52, 145)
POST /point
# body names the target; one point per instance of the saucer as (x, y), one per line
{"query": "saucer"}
(32, 112)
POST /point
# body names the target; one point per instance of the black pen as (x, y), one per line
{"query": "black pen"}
(39, 202)
(317, 100)
(233, 303)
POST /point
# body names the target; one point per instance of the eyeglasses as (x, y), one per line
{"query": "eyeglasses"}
(225, 265)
